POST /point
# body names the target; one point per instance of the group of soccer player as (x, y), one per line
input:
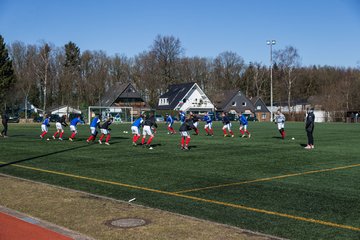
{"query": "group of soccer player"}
(148, 124)
(94, 125)
(187, 123)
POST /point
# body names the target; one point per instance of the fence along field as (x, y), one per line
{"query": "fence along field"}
(263, 183)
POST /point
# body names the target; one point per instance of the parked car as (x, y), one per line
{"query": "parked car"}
(38, 119)
(54, 118)
(159, 118)
(14, 119)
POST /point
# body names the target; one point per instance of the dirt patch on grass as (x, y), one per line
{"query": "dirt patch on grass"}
(90, 215)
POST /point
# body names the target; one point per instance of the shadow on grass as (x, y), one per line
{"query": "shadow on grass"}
(44, 155)
(155, 145)
(191, 147)
(120, 137)
(277, 137)
(16, 135)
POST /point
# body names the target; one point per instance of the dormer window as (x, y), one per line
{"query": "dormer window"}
(163, 101)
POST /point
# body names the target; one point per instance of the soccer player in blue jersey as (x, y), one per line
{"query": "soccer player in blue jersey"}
(135, 129)
(170, 122)
(208, 125)
(73, 129)
(95, 123)
(243, 126)
(44, 126)
(182, 117)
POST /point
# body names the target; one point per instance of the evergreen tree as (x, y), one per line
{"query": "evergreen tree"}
(7, 76)
(70, 83)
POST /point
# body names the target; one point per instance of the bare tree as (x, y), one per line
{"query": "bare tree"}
(228, 68)
(167, 51)
(42, 69)
(120, 69)
(255, 79)
(147, 78)
(288, 61)
(95, 77)
(23, 62)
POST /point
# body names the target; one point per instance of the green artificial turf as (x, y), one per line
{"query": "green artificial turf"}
(262, 183)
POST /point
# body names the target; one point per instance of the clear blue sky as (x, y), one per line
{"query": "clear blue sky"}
(325, 32)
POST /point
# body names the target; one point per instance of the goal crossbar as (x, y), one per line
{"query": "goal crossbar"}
(120, 114)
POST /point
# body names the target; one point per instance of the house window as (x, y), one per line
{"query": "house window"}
(163, 101)
(258, 107)
(233, 103)
(263, 116)
(244, 103)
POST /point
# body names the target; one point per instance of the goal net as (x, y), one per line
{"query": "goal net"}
(120, 114)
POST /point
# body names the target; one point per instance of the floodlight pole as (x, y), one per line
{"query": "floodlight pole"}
(271, 43)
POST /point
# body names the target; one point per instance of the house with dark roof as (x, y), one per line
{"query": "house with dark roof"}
(185, 97)
(124, 95)
(262, 113)
(235, 102)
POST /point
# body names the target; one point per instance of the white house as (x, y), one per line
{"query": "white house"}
(185, 97)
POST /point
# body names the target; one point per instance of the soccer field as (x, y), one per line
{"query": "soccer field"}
(262, 183)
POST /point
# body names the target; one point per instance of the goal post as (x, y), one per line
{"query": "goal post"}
(120, 114)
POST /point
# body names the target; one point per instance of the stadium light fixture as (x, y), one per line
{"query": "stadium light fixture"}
(271, 43)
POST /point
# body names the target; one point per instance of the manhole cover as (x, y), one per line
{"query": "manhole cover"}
(126, 222)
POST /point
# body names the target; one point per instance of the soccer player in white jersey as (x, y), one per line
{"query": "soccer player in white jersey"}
(280, 121)
(60, 123)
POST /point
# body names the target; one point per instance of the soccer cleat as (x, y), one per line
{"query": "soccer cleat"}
(53, 137)
(243, 135)
(41, 137)
(134, 143)
(232, 135)
(87, 141)
(312, 146)
(100, 142)
(225, 135)
(249, 135)
(308, 147)
(106, 143)
(60, 139)
(70, 139)
(186, 148)
(151, 148)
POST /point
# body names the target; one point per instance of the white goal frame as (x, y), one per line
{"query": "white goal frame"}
(120, 114)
